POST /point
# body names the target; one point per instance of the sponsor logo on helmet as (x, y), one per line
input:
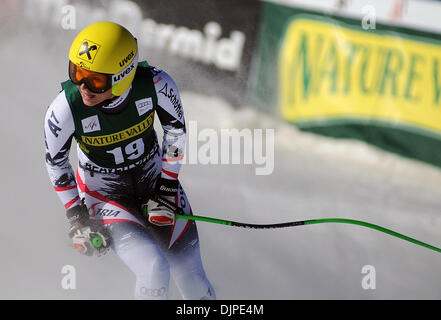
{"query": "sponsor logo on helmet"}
(120, 76)
(88, 50)
(83, 65)
(126, 59)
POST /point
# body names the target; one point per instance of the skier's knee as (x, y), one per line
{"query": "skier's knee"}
(153, 280)
(194, 285)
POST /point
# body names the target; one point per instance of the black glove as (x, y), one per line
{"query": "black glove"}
(88, 236)
(166, 187)
(158, 214)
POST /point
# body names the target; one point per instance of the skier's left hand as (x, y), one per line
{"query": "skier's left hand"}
(160, 215)
(88, 236)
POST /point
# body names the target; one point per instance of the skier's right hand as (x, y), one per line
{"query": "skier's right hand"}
(88, 236)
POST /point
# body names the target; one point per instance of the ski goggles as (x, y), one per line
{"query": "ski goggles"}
(99, 82)
(94, 81)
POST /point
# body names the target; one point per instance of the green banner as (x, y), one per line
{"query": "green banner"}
(328, 75)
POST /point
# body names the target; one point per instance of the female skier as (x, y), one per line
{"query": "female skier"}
(108, 106)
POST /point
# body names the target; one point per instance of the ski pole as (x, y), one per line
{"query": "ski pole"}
(309, 222)
(179, 215)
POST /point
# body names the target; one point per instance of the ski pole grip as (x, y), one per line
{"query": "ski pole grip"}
(169, 205)
(97, 241)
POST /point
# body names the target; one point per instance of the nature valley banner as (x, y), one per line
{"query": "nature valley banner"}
(332, 72)
(332, 77)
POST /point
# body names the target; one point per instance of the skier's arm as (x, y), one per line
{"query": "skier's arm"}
(58, 131)
(171, 115)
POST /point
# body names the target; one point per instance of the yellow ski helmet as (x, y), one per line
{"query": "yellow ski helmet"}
(106, 48)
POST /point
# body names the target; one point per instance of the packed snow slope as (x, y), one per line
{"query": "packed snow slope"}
(313, 177)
